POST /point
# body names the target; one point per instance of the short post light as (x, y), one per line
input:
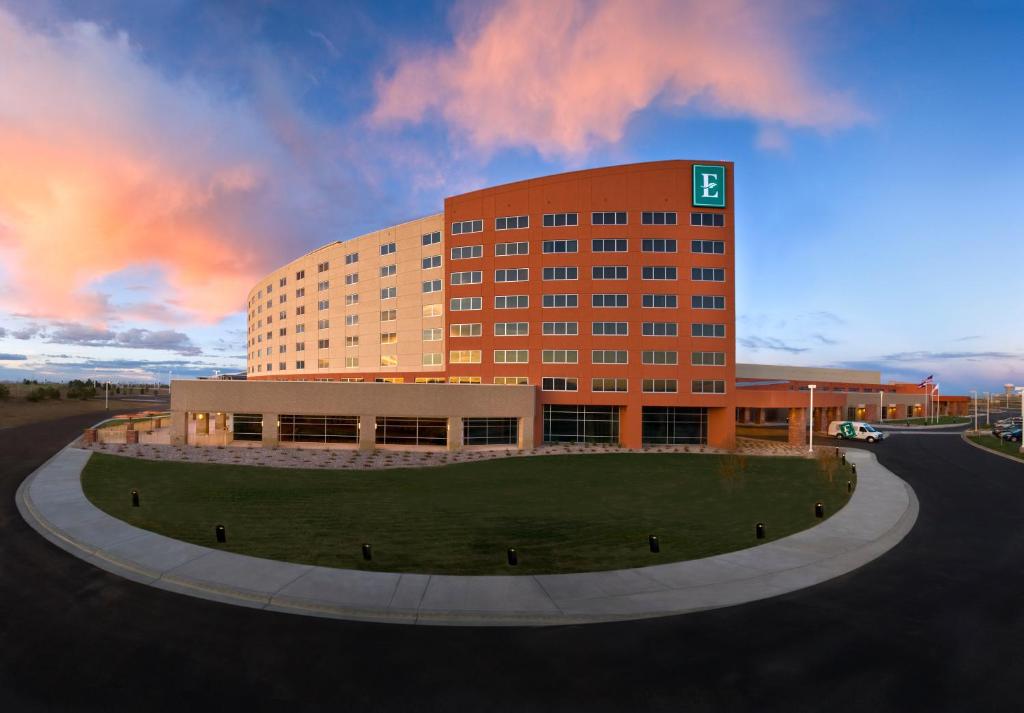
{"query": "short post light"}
(221, 533)
(652, 541)
(367, 552)
(513, 557)
(819, 510)
(759, 530)
(135, 498)
(810, 420)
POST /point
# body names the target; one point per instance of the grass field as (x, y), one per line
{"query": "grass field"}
(998, 444)
(18, 412)
(942, 421)
(562, 513)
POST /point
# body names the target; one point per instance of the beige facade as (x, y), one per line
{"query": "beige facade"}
(772, 372)
(358, 340)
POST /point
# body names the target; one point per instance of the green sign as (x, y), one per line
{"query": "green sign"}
(847, 430)
(708, 186)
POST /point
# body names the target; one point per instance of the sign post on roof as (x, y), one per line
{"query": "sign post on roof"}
(708, 186)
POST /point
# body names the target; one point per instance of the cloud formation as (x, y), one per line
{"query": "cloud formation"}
(563, 77)
(87, 336)
(772, 343)
(12, 357)
(108, 164)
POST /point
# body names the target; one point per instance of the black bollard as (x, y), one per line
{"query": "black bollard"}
(513, 558)
(222, 535)
(367, 553)
(819, 510)
(854, 466)
(844, 458)
(135, 498)
(837, 451)
(849, 486)
(759, 530)
(653, 542)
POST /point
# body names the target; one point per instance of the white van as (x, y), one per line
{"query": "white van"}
(855, 430)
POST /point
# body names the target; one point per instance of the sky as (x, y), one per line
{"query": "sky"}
(156, 159)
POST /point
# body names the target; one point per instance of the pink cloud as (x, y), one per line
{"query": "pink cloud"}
(566, 76)
(108, 165)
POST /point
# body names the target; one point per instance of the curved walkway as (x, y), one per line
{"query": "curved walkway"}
(881, 512)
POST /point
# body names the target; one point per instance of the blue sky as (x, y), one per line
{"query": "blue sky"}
(877, 150)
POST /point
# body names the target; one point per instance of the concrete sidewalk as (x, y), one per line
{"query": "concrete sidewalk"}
(881, 512)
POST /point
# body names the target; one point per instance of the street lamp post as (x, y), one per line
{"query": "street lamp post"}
(881, 406)
(106, 395)
(935, 403)
(1020, 390)
(973, 391)
(988, 407)
(810, 420)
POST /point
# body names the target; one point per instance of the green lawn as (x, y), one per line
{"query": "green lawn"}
(998, 444)
(562, 513)
(942, 421)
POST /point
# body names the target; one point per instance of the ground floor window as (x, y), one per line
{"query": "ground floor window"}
(673, 424)
(490, 431)
(248, 426)
(581, 424)
(319, 429)
(394, 430)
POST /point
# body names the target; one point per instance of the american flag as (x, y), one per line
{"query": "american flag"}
(926, 381)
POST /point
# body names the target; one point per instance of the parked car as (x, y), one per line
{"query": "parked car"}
(855, 430)
(1007, 424)
(1012, 435)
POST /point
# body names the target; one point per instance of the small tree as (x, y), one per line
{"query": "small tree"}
(828, 463)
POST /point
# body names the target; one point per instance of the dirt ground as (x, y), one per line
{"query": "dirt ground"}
(18, 412)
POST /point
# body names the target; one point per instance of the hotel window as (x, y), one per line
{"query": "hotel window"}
(561, 300)
(511, 356)
(388, 315)
(389, 379)
(388, 360)
(351, 320)
(282, 282)
(433, 310)
(352, 341)
(322, 285)
(432, 286)
(322, 304)
(463, 304)
(711, 247)
(430, 379)
(474, 277)
(299, 311)
(323, 343)
(602, 385)
(657, 245)
(659, 358)
(512, 222)
(467, 226)
(432, 335)
(351, 298)
(657, 218)
(389, 338)
(300, 328)
(609, 300)
(270, 288)
(707, 220)
(270, 319)
(608, 218)
(467, 252)
(351, 258)
(561, 273)
(283, 331)
(388, 293)
(511, 302)
(431, 238)
(300, 275)
(658, 272)
(282, 315)
(707, 274)
(707, 358)
(432, 359)
(281, 366)
(270, 367)
(660, 386)
(351, 362)
(463, 379)
(387, 248)
(609, 329)
(520, 274)
(270, 335)
(560, 328)
(660, 329)
(300, 365)
(464, 356)
(609, 356)
(282, 349)
(707, 330)
(511, 380)
(666, 301)
(388, 270)
(323, 267)
(300, 346)
(707, 386)
(474, 329)
(558, 383)
(506, 249)
(301, 292)
(609, 272)
(559, 220)
(560, 246)
(351, 278)
(707, 302)
(281, 299)
(609, 246)
(511, 329)
(270, 303)
(431, 262)
(559, 356)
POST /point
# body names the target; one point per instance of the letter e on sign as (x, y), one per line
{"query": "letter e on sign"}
(708, 186)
